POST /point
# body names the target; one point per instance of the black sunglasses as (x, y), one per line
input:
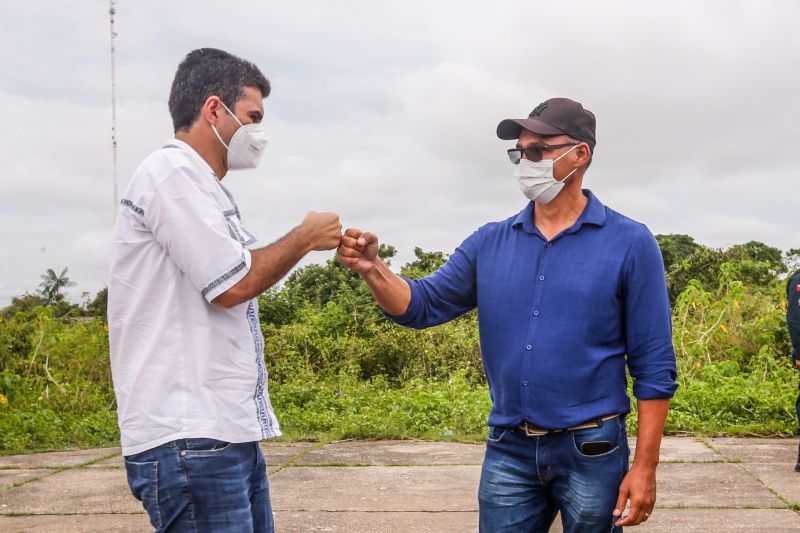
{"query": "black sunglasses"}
(534, 152)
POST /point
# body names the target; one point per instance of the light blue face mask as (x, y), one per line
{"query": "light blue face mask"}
(536, 180)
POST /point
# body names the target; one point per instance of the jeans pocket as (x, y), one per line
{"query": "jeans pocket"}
(496, 434)
(143, 482)
(599, 442)
(206, 447)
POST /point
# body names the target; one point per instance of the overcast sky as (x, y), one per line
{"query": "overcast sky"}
(386, 113)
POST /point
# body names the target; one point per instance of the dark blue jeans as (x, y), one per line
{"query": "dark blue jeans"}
(525, 481)
(797, 409)
(203, 485)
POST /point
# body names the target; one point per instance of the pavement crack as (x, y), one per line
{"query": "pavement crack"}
(292, 460)
(57, 470)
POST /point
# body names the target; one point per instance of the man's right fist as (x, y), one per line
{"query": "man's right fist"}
(324, 230)
(358, 250)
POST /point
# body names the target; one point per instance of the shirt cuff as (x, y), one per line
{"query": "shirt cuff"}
(657, 387)
(229, 278)
(407, 318)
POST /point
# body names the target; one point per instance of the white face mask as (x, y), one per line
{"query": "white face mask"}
(246, 146)
(536, 180)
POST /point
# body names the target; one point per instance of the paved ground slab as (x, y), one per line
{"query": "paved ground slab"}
(277, 454)
(713, 485)
(81, 491)
(410, 486)
(780, 477)
(758, 450)
(683, 449)
(395, 453)
(720, 520)
(113, 462)
(376, 488)
(391, 522)
(9, 478)
(109, 523)
(713, 521)
(55, 459)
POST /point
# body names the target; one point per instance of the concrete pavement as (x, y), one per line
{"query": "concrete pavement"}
(710, 485)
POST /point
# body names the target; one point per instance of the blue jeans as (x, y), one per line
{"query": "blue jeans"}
(797, 409)
(202, 485)
(526, 480)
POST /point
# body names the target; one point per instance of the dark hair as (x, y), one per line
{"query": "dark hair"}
(207, 72)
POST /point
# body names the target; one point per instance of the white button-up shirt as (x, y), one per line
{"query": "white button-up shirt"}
(183, 367)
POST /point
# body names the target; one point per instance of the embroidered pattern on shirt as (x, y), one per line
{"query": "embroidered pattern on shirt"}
(234, 219)
(264, 412)
(223, 278)
(133, 207)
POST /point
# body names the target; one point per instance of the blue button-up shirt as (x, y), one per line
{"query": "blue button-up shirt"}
(559, 319)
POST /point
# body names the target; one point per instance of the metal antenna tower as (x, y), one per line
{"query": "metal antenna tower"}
(111, 12)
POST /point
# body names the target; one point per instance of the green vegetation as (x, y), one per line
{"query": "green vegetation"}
(339, 369)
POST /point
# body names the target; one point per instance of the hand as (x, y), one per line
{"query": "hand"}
(323, 229)
(638, 486)
(358, 251)
(797, 364)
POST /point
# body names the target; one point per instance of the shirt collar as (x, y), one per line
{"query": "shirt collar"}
(175, 143)
(594, 213)
(525, 219)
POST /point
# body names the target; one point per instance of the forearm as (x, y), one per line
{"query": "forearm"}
(652, 417)
(639, 485)
(391, 292)
(268, 265)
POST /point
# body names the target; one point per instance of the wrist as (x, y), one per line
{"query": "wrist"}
(373, 274)
(645, 463)
(304, 238)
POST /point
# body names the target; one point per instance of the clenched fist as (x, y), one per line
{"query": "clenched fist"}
(358, 250)
(323, 229)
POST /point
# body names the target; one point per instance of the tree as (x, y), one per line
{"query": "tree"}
(792, 259)
(98, 307)
(675, 248)
(755, 264)
(425, 264)
(25, 304)
(316, 285)
(52, 284)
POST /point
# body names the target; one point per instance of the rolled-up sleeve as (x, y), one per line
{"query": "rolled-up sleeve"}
(447, 293)
(190, 226)
(648, 323)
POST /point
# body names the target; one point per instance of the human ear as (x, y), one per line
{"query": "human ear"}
(582, 154)
(211, 109)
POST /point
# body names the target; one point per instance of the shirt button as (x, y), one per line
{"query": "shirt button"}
(541, 278)
(549, 244)
(536, 313)
(528, 347)
(525, 382)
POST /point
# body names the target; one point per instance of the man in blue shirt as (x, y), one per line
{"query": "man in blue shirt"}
(568, 293)
(793, 322)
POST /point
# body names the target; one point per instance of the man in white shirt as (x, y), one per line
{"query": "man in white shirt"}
(186, 346)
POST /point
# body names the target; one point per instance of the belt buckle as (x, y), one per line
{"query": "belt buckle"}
(533, 432)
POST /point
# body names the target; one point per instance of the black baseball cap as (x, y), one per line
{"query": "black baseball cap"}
(556, 116)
